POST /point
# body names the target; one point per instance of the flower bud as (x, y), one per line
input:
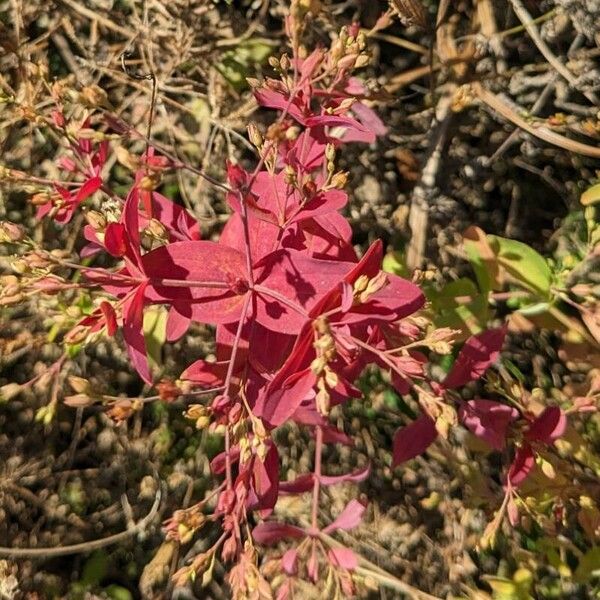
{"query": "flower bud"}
(347, 62)
(254, 135)
(323, 401)
(94, 96)
(330, 152)
(9, 391)
(156, 229)
(11, 232)
(339, 180)
(285, 62)
(79, 384)
(96, 219)
(37, 260)
(127, 159)
(361, 61)
(39, 199)
(150, 182)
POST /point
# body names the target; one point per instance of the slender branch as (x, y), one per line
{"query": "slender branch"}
(228, 381)
(558, 66)
(541, 132)
(86, 547)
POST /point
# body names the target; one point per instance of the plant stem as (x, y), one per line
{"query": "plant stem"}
(317, 478)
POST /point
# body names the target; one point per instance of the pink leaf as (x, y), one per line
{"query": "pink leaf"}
(548, 426)
(349, 518)
(414, 439)
(488, 420)
(343, 557)
(280, 404)
(478, 353)
(302, 280)
(289, 561)
(354, 477)
(133, 334)
(270, 532)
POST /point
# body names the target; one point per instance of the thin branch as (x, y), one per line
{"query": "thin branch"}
(86, 547)
(533, 32)
(542, 132)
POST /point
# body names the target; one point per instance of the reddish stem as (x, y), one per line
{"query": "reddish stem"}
(227, 385)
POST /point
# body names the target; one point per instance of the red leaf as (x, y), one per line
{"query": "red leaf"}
(266, 481)
(178, 322)
(343, 557)
(359, 131)
(305, 483)
(414, 439)
(301, 279)
(195, 263)
(488, 420)
(219, 462)
(271, 532)
(88, 188)
(548, 426)
(300, 485)
(109, 317)
(478, 353)
(280, 404)
(133, 332)
(206, 374)
(349, 518)
(115, 239)
(521, 466)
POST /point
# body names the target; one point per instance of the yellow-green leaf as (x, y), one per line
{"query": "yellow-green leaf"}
(591, 195)
(155, 333)
(523, 264)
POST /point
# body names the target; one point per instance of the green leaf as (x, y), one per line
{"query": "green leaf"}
(506, 589)
(535, 309)
(238, 63)
(469, 316)
(591, 195)
(155, 333)
(95, 569)
(118, 592)
(395, 263)
(524, 265)
(589, 565)
(502, 588)
(481, 271)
